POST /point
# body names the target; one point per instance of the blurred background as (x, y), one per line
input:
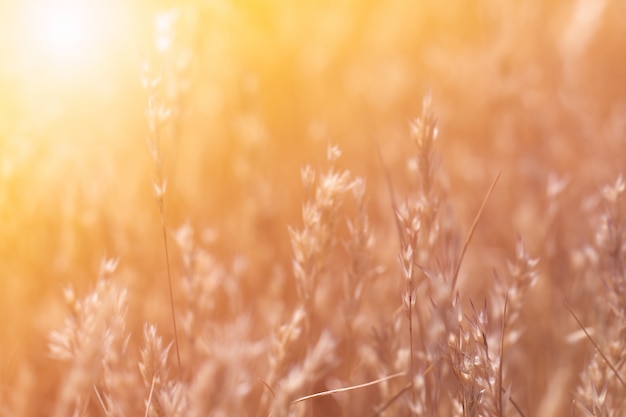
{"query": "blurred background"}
(258, 88)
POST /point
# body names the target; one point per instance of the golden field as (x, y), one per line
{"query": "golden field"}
(220, 208)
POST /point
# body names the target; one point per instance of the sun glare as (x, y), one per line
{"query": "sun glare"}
(64, 33)
(67, 37)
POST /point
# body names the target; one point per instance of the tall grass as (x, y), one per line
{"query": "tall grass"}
(468, 261)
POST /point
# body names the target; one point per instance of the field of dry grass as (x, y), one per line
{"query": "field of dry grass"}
(408, 208)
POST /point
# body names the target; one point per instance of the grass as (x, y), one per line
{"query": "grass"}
(266, 257)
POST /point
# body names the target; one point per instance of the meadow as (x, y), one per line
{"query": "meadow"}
(350, 208)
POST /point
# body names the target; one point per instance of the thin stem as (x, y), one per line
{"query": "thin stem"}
(390, 190)
(394, 206)
(160, 191)
(410, 285)
(100, 400)
(593, 342)
(471, 233)
(169, 280)
(149, 402)
(500, 407)
(393, 399)
(516, 406)
(346, 389)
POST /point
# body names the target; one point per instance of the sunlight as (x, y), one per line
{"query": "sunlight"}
(66, 32)
(67, 37)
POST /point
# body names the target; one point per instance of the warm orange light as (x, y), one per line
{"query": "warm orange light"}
(64, 32)
(68, 37)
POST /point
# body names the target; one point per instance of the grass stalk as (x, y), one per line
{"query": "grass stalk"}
(169, 281)
(596, 346)
(468, 239)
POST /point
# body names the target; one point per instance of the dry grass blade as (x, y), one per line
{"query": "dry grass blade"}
(471, 232)
(148, 403)
(387, 175)
(346, 389)
(169, 281)
(268, 387)
(500, 380)
(393, 399)
(515, 405)
(402, 391)
(389, 183)
(104, 409)
(159, 114)
(593, 342)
